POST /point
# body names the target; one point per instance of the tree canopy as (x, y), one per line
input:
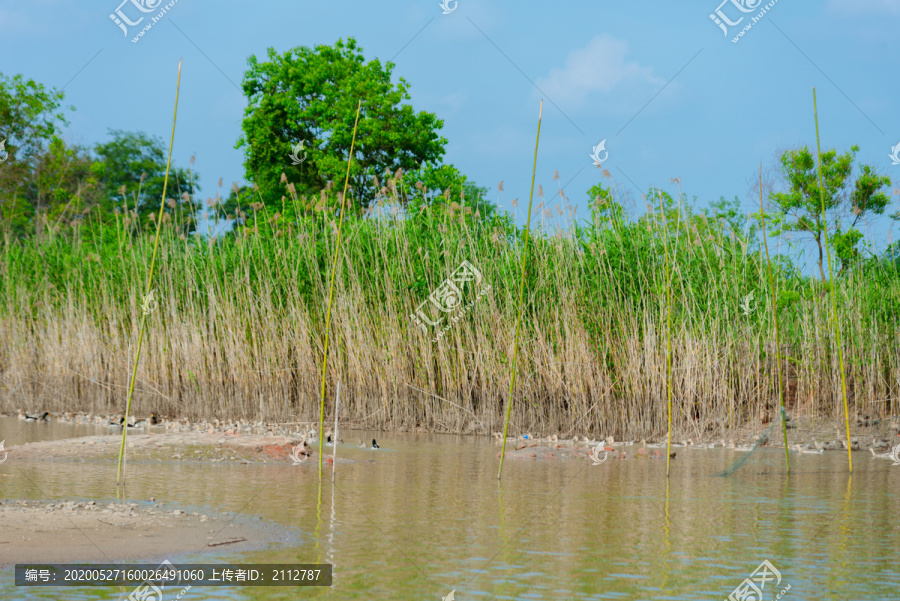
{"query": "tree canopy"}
(133, 169)
(310, 95)
(846, 201)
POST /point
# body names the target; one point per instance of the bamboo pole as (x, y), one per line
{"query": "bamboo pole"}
(337, 251)
(762, 214)
(337, 401)
(148, 296)
(834, 323)
(512, 381)
(668, 330)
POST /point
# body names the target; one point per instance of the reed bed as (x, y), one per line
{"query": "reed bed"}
(239, 332)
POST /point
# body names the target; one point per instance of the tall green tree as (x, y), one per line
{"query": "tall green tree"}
(310, 95)
(31, 116)
(43, 181)
(846, 201)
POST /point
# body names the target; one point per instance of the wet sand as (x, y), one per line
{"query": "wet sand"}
(90, 531)
(169, 446)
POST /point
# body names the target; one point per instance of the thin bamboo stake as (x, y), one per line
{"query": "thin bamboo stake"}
(337, 401)
(668, 330)
(762, 214)
(834, 324)
(512, 381)
(337, 251)
(148, 297)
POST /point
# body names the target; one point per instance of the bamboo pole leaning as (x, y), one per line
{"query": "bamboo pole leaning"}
(147, 304)
(337, 252)
(834, 318)
(512, 381)
(762, 213)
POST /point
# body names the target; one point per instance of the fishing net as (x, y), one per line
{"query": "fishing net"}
(762, 437)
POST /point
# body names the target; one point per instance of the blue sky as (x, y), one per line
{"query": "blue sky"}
(659, 81)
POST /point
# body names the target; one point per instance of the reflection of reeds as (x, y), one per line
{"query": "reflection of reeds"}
(515, 357)
(831, 286)
(762, 214)
(148, 296)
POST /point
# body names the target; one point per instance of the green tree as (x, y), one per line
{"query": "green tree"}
(310, 95)
(31, 119)
(133, 170)
(604, 206)
(434, 185)
(846, 202)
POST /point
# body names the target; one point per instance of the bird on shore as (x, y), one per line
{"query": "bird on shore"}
(801, 449)
(138, 424)
(742, 448)
(153, 419)
(375, 444)
(880, 455)
(31, 418)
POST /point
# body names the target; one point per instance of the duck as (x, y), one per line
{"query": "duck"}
(31, 418)
(153, 419)
(361, 444)
(330, 442)
(375, 444)
(801, 449)
(742, 448)
(880, 455)
(138, 424)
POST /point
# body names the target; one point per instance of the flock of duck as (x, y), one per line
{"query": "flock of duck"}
(879, 446)
(307, 435)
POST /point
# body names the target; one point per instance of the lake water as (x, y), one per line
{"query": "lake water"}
(426, 514)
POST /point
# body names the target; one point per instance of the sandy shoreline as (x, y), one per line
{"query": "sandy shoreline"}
(199, 446)
(111, 532)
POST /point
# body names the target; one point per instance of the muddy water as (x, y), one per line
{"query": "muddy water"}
(425, 515)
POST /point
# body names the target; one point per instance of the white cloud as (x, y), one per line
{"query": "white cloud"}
(865, 7)
(601, 66)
